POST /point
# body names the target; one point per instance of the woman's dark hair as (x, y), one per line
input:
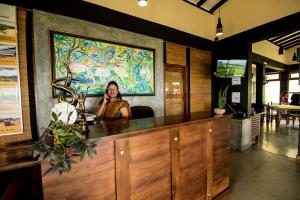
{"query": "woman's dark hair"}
(119, 96)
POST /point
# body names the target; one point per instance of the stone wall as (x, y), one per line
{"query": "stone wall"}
(44, 22)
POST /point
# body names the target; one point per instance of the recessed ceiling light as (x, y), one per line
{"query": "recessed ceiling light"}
(142, 3)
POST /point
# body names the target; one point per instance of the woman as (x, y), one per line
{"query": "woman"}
(284, 98)
(112, 105)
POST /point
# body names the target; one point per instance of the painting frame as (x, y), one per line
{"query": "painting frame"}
(150, 70)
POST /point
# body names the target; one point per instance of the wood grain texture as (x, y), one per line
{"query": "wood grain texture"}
(190, 166)
(148, 167)
(220, 152)
(21, 23)
(89, 179)
(200, 80)
(175, 54)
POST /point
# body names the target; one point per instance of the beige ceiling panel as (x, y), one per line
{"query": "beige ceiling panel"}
(241, 15)
(172, 13)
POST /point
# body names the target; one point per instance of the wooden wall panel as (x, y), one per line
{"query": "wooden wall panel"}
(175, 54)
(89, 179)
(21, 17)
(200, 80)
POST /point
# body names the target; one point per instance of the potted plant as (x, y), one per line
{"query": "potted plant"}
(221, 101)
(63, 140)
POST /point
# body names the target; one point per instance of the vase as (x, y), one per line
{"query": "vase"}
(219, 111)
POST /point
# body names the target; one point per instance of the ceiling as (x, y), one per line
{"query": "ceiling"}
(207, 5)
(286, 40)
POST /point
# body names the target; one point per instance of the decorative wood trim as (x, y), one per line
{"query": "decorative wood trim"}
(175, 163)
(122, 169)
(209, 186)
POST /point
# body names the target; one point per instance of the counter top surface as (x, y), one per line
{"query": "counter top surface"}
(123, 128)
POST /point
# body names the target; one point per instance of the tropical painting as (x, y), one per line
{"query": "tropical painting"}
(94, 63)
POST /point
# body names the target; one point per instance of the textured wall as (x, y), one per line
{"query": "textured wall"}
(44, 22)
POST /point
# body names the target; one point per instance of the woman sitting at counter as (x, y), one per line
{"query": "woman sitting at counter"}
(112, 106)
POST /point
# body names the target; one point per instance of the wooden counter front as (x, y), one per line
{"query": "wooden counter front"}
(175, 157)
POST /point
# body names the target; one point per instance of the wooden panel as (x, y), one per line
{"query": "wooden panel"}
(88, 179)
(220, 151)
(190, 168)
(23, 81)
(175, 54)
(147, 160)
(200, 80)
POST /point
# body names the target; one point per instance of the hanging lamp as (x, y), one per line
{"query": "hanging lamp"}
(294, 57)
(219, 30)
(280, 51)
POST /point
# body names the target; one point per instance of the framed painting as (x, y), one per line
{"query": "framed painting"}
(11, 121)
(95, 62)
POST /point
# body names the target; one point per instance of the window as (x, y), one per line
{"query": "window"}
(294, 75)
(270, 77)
(272, 89)
(294, 86)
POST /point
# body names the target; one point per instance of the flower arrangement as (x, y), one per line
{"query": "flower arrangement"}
(63, 140)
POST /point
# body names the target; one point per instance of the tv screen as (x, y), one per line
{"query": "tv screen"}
(231, 68)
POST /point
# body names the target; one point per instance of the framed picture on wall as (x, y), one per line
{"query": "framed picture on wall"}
(11, 121)
(95, 62)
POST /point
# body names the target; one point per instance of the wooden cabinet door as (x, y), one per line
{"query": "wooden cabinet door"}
(218, 154)
(189, 162)
(143, 167)
(92, 179)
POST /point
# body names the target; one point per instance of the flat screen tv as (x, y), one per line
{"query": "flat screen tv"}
(231, 68)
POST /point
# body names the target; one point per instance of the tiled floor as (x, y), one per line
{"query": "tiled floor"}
(282, 140)
(265, 172)
(260, 175)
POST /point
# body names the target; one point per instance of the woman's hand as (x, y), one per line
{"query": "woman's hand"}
(105, 98)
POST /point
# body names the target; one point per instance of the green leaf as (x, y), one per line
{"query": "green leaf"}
(54, 116)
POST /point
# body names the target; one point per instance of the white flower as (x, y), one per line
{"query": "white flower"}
(65, 109)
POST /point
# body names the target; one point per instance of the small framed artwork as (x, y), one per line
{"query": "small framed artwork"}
(95, 62)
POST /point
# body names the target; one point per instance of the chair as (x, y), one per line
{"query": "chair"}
(256, 127)
(293, 115)
(270, 114)
(138, 112)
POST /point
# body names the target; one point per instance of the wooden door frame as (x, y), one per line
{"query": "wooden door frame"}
(174, 67)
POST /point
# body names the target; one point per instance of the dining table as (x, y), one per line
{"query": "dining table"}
(284, 109)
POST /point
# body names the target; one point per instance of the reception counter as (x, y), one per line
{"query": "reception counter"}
(174, 157)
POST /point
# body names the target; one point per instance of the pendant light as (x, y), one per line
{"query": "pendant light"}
(142, 3)
(280, 51)
(294, 57)
(219, 30)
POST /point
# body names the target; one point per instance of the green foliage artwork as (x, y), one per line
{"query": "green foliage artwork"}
(94, 63)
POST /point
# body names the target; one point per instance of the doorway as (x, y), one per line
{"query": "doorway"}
(175, 89)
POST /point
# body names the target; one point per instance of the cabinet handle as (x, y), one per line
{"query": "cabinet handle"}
(209, 195)
(122, 152)
(176, 138)
(210, 130)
